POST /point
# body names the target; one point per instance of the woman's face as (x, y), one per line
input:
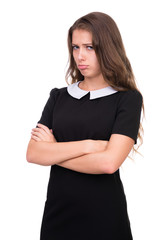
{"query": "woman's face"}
(84, 54)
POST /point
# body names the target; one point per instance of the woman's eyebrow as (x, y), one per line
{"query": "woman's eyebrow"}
(85, 44)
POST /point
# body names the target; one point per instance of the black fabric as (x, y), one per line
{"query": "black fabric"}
(47, 113)
(88, 206)
(128, 114)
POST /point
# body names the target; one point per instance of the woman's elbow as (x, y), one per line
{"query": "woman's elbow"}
(29, 156)
(110, 169)
(110, 166)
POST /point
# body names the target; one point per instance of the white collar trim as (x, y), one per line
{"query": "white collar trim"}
(78, 93)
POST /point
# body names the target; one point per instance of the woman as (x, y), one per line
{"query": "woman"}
(85, 133)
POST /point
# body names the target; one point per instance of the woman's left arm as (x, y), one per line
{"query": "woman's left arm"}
(106, 162)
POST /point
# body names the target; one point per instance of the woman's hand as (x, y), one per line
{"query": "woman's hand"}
(42, 133)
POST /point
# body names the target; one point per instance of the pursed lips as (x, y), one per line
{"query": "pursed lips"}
(82, 67)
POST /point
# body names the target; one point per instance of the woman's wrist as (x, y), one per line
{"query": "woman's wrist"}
(92, 146)
(88, 146)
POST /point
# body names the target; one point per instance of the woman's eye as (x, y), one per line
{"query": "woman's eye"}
(90, 47)
(74, 47)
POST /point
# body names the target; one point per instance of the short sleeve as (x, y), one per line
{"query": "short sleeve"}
(47, 113)
(128, 114)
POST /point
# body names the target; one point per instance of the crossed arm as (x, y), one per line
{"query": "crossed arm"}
(86, 156)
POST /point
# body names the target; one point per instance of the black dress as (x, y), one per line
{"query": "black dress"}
(82, 206)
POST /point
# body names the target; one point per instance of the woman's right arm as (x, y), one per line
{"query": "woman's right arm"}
(50, 153)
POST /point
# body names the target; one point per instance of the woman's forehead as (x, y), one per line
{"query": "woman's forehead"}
(81, 35)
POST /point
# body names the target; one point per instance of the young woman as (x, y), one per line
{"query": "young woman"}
(85, 133)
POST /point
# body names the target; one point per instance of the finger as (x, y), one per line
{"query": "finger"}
(43, 132)
(40, 130)
(44, 136)
(38, 134)
(45, 128)
(37, 139)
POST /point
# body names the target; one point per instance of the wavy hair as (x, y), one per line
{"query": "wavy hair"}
(108, 45)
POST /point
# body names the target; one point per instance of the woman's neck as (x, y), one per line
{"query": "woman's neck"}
(93, 84)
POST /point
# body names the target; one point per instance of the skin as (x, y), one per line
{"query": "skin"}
(85, 55)
(109, 156)
(43, 149)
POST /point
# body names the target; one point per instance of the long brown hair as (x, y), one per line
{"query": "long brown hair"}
(108, 45)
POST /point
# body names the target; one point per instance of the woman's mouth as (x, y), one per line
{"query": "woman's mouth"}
(82, 67)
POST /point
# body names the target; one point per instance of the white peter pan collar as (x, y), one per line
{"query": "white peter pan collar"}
(78, 93)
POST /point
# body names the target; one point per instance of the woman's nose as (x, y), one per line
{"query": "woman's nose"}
(81, 54)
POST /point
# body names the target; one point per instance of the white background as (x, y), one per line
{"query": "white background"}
(33, 58)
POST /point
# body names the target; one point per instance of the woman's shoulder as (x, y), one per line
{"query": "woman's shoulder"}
(131, 94)
(56, 91)
(130, 99)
